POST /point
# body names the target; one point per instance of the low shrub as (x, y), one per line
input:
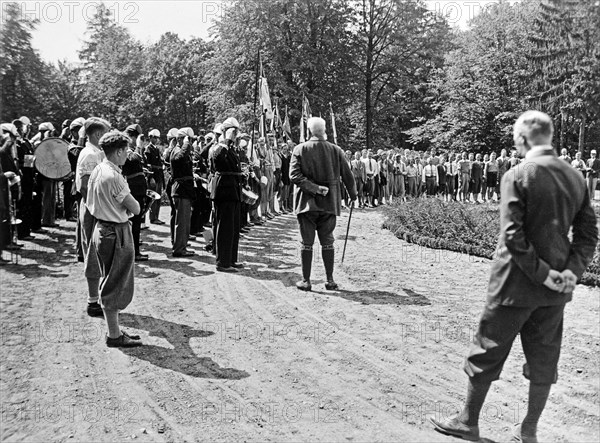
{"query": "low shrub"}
(467, 228)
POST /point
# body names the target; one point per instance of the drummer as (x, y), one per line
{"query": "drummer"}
(8, 162)
(25, 159)
(47, 185)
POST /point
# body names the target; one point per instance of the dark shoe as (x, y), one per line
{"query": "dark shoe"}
(238, 265)
(331, 286)
(303, 285)
(144, 227)
(141, 257)
(184, 254)
(38, 231)
(157, 222)
(208, 247)
(269, 216)
(131, 336)
(451, 426)
(519, 437)
(71, 219)
(226, 269)
(124, 341)
(95, 310)
(80, 259)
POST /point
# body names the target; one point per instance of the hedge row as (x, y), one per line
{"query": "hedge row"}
(454, 226)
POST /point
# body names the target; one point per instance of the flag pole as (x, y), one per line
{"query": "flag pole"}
(255, 100)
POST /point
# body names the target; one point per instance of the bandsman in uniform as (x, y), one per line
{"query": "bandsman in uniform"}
(133, 170)
(183, 191)
(226, 192)
(157, 180)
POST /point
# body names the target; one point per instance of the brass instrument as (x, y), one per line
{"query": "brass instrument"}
(151, 196)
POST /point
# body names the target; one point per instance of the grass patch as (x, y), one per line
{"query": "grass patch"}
(467, 228)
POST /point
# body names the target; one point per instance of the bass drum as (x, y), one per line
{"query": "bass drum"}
(52, 158)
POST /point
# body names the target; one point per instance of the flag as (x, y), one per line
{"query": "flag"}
(306, 114)
(286, 125)
(276, 125)
(333, 124)
(265, 99)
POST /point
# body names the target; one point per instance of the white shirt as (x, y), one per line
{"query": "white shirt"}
(431, 171)
(90, 157)
(107, 188)
(371, 166)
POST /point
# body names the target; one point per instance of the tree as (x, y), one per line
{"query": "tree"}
(399, 42)
(567, 62)
(483, 85)
(305, 47)
(23, 73)
(112, 66)
(168, 93)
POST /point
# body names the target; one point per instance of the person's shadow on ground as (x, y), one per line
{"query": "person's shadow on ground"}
(182, 357)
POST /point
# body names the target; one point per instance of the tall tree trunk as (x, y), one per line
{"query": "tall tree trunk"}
(369, 109)
(582, 133)
(563, 124)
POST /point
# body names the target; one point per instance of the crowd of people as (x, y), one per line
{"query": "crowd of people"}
(395, 175)
(229, 180)
(219, 184)
(181, 170)
(182, 173)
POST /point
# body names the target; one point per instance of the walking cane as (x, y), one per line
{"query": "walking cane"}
(347, 230)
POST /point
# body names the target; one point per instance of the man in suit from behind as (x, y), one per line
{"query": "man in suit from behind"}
(315, 168)
(532, 277)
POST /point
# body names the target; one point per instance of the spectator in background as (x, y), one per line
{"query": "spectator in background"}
(579, 164)
(565, 156)
(476, 177)
(593, 171)
(491, 175)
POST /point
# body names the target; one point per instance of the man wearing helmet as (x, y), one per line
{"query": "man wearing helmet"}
(225, 193)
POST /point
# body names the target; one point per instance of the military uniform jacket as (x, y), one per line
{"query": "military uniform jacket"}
(182, 172)
(227, 174)
(133, 170)
(155, 163)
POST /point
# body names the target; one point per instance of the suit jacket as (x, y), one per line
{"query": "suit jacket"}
(320, 163)
(542, 197)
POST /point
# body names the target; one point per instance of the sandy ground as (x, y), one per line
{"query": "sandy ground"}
(247, 357)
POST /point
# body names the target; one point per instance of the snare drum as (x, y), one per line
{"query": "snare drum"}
(249, 197)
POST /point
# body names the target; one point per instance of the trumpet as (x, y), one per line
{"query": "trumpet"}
(151, 196)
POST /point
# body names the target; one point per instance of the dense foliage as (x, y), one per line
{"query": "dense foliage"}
(454, 226)
(395, 72)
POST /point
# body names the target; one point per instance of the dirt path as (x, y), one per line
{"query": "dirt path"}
(248, 357)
